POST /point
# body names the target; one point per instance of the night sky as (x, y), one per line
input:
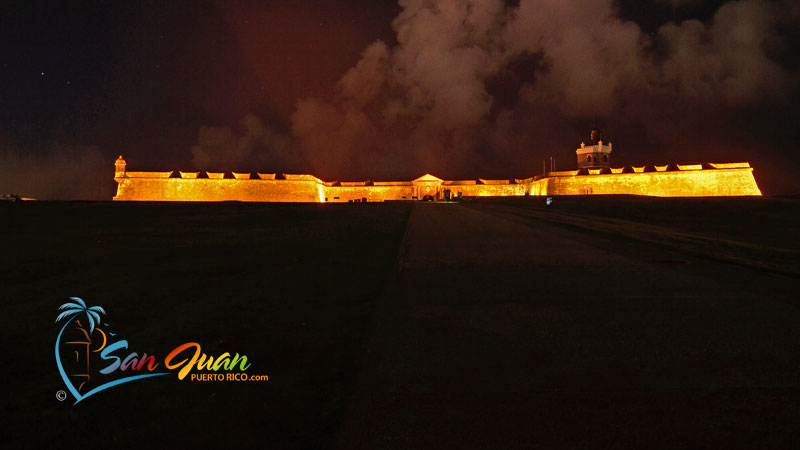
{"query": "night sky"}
(383, 90)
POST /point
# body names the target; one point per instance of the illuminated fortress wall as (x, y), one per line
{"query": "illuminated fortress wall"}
(487, 188)
(728, 179)
(211, 190)
(373, 193)
(716, 180)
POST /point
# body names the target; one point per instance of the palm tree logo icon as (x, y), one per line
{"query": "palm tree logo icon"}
(72, 355)
(77, 342)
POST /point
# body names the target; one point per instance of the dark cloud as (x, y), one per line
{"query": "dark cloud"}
(423, 104)
(678, 2)
(466, 88)
(252, 146)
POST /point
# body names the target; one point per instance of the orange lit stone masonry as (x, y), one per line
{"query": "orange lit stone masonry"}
(694, 180)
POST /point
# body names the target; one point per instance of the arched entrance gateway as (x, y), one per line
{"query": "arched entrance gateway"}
(427, 187)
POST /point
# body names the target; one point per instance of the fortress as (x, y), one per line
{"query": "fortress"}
(594, 176)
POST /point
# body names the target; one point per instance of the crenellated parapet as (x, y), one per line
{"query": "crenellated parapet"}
(594, 156)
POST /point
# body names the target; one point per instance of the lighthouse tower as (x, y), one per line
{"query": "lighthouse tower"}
(595, 154)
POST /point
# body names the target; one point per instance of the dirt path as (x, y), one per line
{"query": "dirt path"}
(506, 332)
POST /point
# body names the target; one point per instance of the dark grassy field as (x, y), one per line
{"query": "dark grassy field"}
(759, 232)
(291, 286)
(596, 322)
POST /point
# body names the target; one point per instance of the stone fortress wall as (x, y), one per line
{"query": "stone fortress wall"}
(693, 180)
